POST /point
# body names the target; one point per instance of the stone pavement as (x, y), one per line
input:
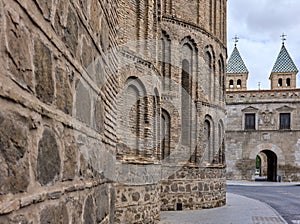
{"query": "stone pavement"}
(238, 210)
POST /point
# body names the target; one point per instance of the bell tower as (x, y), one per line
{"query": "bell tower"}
(236, 71)
(284, 72)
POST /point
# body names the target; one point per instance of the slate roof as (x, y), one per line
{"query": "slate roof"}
(235, 63)
(284, 62)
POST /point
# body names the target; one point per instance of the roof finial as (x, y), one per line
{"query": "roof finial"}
(283, 38)
(235, 40)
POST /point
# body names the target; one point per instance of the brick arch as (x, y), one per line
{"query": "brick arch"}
(210, 50)
(166, 45)
(210, 61)
(136, 83)
(221, 74)
(268, 146)
(189, 41)
(209, 133)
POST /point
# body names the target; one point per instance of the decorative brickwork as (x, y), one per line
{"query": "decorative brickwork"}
(104, 106)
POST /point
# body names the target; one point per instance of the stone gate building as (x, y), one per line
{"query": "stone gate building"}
(263, 132)
(110, 111)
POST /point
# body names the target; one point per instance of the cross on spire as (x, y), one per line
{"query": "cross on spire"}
(283, 38)
(235, 40)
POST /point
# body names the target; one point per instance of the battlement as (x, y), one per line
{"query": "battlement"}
(258, 96)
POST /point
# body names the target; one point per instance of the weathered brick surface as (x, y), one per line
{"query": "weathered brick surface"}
(87, 89)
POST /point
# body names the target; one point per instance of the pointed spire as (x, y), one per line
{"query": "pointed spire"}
(284, 63)
(235, 63)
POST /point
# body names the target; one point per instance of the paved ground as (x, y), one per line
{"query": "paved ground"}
(284, 198)
(239, 210)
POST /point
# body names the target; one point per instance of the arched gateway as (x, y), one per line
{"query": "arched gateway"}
(269, 157)
(266, 163)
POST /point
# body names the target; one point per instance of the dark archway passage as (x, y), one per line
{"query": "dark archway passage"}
(268, 164)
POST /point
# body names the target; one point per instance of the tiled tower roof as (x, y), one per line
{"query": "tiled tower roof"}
(235, 63)
(284, 62)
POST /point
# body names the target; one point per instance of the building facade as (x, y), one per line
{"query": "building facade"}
(111, 111)
(263, 132)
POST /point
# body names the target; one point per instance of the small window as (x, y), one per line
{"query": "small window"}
(285, 121)
(249, 121)
(280, 82)
(288, 82)
(231, 83)
(179, 206)
(239, 83)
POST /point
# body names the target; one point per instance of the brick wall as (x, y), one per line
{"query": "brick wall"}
(82, 100)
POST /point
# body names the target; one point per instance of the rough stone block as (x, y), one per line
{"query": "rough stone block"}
(14, 167)
(18, 48)
(71, 32)
(89, 211)
(43, 72)
(64, 97)
(70, 156)
(48, 161)
(83, 103)
(55, 214)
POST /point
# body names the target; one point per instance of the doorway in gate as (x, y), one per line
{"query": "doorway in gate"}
(266, 165)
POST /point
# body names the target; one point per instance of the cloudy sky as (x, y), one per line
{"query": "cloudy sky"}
(259, 25)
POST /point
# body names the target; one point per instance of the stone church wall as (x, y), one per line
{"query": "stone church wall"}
(200, 182)
(55, 111)
(86, 110)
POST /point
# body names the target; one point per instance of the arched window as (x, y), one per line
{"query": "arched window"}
(210, 78)
(221, 143)
(166, 61)
(221, 78)
(166, 134)
(156, 123)
(208, 139)
(280, 82)
(231, 83)
(185, 103)
(239, 83)
(132, 110)
(210, 62)
(132, 115)
(288, 82)
(188, 50)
